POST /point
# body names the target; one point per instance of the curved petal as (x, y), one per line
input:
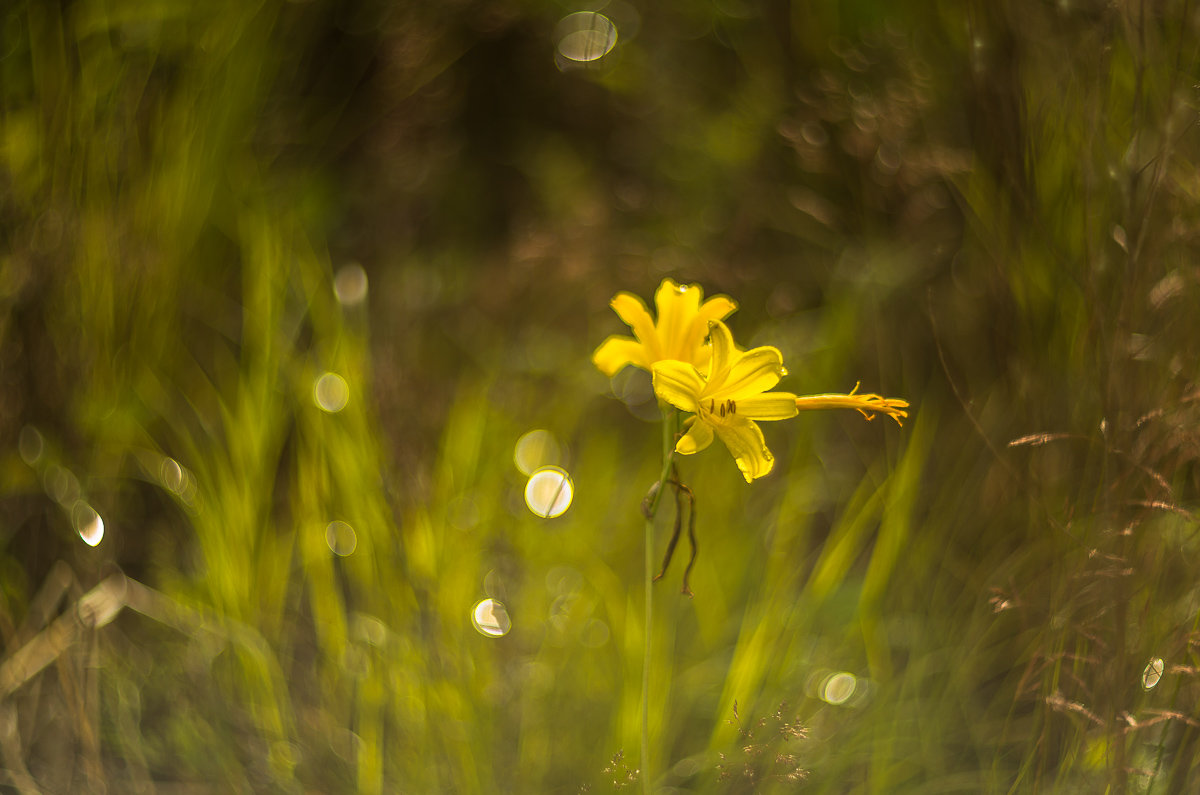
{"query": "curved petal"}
(633, 311)
(750, 373)
(771, 406)
(748, 448)
(723, 352)
(718, 307)
(678, 383)
(698, 437)
(677, 305)
(616, 352)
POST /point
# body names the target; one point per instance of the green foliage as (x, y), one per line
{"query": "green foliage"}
(990, 209)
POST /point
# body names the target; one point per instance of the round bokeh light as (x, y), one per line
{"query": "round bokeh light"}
(549, 492)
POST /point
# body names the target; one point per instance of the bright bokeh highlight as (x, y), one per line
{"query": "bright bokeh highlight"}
(87, 523)
(549, 492)
(1153, 674)
(171, 475)
(491, 618)
(177, 479)
(586, 36)
(61, 484)
(341, 538)
(30, 445)
(536, 449)
(331, 393)
(838, 688)
(350, 285)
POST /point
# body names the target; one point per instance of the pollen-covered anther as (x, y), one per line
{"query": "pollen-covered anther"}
(727, 408)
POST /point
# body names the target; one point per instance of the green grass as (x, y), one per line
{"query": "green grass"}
(954, 205)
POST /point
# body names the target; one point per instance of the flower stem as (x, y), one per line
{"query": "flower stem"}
(670, 416)
(646, 787)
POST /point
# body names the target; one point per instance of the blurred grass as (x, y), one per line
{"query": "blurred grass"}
(952, 203)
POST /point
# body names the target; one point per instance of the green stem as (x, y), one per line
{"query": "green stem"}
(646, 786)
(668, 436)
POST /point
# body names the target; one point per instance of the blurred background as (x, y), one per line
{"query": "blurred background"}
(298, 302)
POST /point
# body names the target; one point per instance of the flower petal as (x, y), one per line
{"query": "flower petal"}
(723, 351)
(677, 305)
(769, 406)
(678, 383)
(718, 307)
(698, 437)
(616, 352)
(633, 311)
(750, 373)
(747, 446)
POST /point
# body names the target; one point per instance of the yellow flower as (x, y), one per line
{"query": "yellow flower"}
(867, 404)
(729, 400)
(678, 335)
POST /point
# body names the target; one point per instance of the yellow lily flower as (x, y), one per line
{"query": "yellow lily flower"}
(678, 335)
(729, 400)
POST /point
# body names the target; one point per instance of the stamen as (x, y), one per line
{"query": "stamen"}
(726, 409)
